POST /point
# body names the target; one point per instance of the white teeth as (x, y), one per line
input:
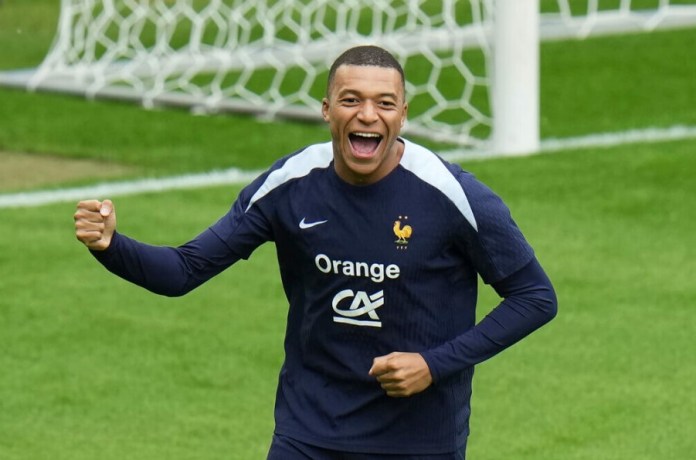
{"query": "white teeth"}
(367, 134)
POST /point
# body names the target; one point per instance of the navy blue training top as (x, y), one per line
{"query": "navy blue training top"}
(369, 270)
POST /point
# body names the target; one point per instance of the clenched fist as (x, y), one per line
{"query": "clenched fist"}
(401, 374)
(95, 223)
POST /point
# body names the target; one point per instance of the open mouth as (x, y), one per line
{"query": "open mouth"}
(364, 144)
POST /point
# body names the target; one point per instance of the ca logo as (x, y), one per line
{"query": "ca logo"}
(361, 305)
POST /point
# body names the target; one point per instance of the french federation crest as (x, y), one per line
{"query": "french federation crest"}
(402, 231)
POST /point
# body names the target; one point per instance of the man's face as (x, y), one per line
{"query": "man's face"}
(365, 109)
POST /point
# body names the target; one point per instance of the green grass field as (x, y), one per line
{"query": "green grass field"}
(94, 368)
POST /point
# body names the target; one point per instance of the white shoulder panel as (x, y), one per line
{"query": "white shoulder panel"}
(429, 168)
(314, 156)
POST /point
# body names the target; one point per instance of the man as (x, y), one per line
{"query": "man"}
(379, 244)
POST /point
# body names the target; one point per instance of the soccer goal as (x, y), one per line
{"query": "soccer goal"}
(472, 65)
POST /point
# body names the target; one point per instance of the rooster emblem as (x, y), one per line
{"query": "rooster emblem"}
(402, 233)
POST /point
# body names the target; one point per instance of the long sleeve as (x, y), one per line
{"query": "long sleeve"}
(529, 302)
(175, 271)
(164, 270)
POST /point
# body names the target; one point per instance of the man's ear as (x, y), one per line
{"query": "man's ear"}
(325, 109)
(404, 116)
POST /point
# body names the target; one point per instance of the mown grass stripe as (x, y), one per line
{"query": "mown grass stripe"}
(238, 176)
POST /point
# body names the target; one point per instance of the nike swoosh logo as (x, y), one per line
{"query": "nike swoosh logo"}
(305, 225)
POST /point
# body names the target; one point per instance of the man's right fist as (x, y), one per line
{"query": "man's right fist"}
(95, 223)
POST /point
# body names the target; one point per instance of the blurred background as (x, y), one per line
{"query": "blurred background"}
(93, 367)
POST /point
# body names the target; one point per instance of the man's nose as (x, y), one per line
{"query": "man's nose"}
(368, 112)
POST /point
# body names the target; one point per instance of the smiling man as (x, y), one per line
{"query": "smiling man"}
(380, 245)
(365, 107)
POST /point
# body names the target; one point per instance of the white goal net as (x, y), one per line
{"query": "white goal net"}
(270, 57)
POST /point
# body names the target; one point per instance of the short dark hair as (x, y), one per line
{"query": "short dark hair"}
(366, 55)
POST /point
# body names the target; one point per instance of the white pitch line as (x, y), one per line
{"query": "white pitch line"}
(236, 176)
(109, 189)
(648, 135)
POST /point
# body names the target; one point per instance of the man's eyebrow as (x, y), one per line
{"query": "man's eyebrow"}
(353, 92)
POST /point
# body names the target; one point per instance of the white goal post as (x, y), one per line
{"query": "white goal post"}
(472, 65)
